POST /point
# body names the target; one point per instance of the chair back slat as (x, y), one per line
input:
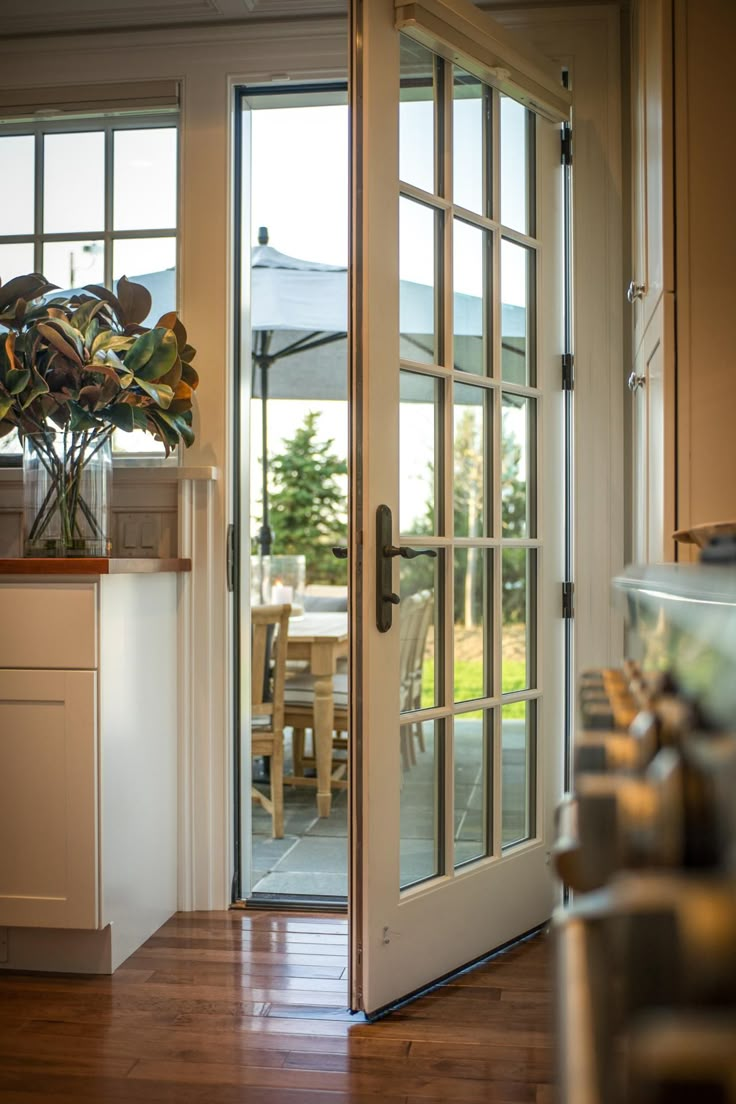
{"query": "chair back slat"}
(270, 624)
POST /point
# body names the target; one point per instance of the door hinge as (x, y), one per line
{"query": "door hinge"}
(568, 608)
(230, 558)
(566, 144)
(568, 372)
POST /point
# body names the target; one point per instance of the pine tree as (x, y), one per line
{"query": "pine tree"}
(308, 503)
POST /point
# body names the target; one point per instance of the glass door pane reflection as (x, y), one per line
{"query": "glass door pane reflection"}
(419, 622)
(473, 616)
(518, 772)
(517, 639)
(418, 436)
(420, 812)
(416, 116)
(472, 744)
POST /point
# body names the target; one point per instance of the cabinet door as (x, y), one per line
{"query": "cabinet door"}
(652, 384)
(652, 160)
(48, 799)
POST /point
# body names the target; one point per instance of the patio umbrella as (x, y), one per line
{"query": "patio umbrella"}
(299, 328)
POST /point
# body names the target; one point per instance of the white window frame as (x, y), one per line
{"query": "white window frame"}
(107, 124)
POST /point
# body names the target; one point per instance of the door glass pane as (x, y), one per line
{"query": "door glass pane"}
(516, 179)
(16, 259)
(142, 156)
(472, 470)
(17, 184)
(517, 313)
(468, 141)
(416, 116)
(518, 772)
(419, 421)
(517, 466)
(472, 742)
(73, 264)
(74, 182)
(421, 764)
(470, 297)
(473, 616)
(420, 665)
(149, 261)
(517, 633)
(417, 309)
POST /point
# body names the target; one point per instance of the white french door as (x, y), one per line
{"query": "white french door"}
(457, 515)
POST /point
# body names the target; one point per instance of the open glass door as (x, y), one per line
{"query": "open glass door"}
(458, 649)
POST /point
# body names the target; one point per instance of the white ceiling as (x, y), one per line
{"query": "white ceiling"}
(19, 17)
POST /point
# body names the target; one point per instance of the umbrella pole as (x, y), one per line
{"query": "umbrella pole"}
(265, 536)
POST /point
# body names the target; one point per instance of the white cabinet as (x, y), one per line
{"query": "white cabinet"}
(88, 767)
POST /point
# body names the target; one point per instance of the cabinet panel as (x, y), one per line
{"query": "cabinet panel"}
(54, 625)
(48, 799)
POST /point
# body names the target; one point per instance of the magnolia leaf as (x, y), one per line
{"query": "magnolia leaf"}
(55, 338)
(91, 396)
(6, 404)
(107, 339)
(189, 375)
(24, 287)
(163, 358)
(135, 299)
(126, 417)
(80, 419)
(16, 380)
(164, 432)
(141, 351)
(109, 297)
(159, 392)
(173, 377)
(181, 425)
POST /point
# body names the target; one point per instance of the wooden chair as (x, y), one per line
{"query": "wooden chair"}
(299, 715)
(270, 624)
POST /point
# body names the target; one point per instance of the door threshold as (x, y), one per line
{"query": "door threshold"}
(294, 902)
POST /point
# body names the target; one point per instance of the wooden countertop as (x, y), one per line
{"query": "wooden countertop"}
(89, 565)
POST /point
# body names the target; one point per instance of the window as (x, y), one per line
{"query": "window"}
(86, 202)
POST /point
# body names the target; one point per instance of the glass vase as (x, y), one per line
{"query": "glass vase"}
(67, 484)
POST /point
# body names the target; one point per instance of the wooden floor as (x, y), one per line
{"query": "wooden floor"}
(249, 1007)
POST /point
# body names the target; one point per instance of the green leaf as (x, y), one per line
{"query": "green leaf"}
(126, 417)
(16, 380)
(24, 287)
(109, 297)
(181, 425)
(159, 392)
(163, 358)
(80, 419)
(141, 351)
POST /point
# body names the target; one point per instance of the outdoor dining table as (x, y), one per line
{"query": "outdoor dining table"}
(320, 639)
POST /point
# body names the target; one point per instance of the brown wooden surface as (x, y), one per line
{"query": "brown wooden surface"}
(90, 565)
(250, 1008)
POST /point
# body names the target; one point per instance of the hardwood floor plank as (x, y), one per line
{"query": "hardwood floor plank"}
(251, 1008)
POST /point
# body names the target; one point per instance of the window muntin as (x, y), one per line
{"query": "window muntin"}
(118, 217)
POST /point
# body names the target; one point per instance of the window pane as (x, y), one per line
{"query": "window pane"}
(517, 470)
(468, 145)
(472, 758)
(417, 288)
(470, 298)
(149, 261)
(419, 616)
(517, 313)
(74, 182)
(74, 264)
(518, 772)
(419, 851)
(144, 179)
(15, 260)
(516, 185)
(419, 421)
(473, 617)
(472, 468)
(416, 116)
(17, 184)
(517, 631)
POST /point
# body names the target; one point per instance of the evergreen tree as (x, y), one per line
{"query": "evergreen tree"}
(307, 506)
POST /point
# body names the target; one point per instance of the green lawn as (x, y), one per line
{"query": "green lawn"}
(469, 680)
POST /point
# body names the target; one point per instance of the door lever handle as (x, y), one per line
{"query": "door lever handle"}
(408, 553)
(340, 552)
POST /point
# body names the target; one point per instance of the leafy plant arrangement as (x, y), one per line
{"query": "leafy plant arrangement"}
(75, 367)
